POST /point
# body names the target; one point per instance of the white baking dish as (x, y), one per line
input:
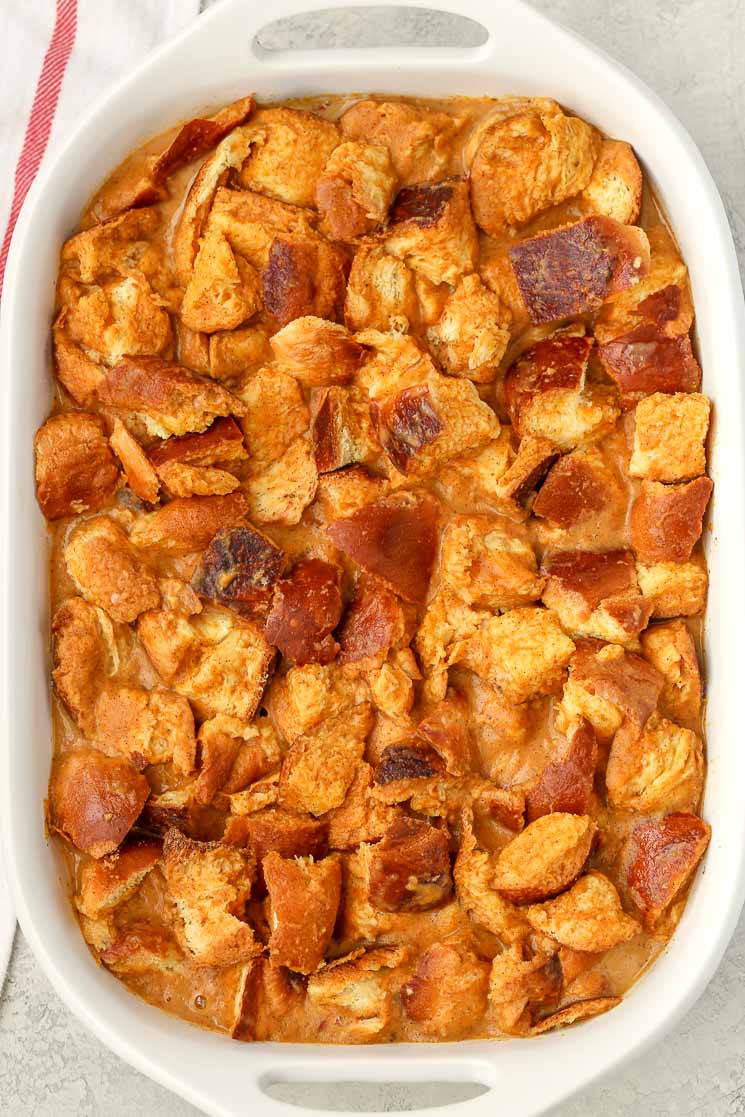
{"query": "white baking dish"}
(214, 62)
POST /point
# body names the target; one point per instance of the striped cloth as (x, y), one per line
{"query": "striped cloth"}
(55, 60)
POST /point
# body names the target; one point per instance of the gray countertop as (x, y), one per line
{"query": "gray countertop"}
(691, 52)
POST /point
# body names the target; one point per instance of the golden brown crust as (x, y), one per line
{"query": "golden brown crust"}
(94, 799)
(304, 897)
(75, 470)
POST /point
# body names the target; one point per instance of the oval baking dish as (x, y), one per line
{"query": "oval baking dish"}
(212, 63)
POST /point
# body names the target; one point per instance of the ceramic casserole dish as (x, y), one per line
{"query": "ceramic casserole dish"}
(212, 63)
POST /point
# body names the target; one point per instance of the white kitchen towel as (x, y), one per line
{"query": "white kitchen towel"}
(56, 57)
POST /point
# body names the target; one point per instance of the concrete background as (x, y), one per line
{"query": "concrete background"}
(691, 52)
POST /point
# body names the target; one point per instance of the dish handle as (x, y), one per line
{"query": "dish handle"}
(502, 20)
(492, 1092)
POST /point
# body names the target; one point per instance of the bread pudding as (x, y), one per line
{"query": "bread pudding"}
(376, 480)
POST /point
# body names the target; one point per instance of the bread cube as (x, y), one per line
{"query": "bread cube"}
(147, 726)
(303, 902)
(676, 589)
(94, 800)
(319, 767)
(662, 770)
(341, 430)
(420, 140)
(431, 229)
(108, 572)
(669, 437)
(395, 540)
(307, 695)
(615, 186)
(168, 398)
(660, 856)
(524, 652)
(471, 335)
(547, 396)
(528, 161)
(519, 985)
(670, 648)
(410, 867)
(667, 520)
(105, 884)
(316, 352)
(566, 784)
(608, 686)
(138, 471)
(355, 994)
(307, 606)
(210, 884)
(123, 317)
(224, 289)
(239, 569)
(218, 661)
(587, 917)
(187, 524)
(304, 276)
(279, 493)
(289, 149)
(355, 190)
(75, 470)
(347, 490)
(446, 995)
(488, 563)
(575, 268)
(381, 292)
(546, 858)
(595, 593)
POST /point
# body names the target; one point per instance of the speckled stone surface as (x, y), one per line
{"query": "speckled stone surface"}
(690, 51)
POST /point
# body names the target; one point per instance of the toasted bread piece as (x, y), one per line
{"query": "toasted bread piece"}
(187, 524)
(667, 520)
(107, 883)
(209, 884)
(662, 770)
(108, 571)
(381, 292)
(304, 900)
(75, 470)
(524, 652)
(669, 437)
(94, 800)
(660, 857)
(676, 589)
(446, 995)
(169, 399)
(528, 162)
(587, 917)
(546, 858)
(289, 150)
(574, 269)
(355, 190)
(471, 335)
(218, 661)
(307, 606)
(420, 140)
(410, 867)
(615, 186)
(670, 648)
(319, 766)
(431, 229)
(138, 470)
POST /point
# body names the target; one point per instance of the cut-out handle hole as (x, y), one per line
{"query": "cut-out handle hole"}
(373, 1097)
(330, 28)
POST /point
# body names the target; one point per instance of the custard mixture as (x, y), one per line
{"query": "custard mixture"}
(375, 481)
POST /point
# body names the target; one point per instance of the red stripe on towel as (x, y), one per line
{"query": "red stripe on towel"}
(42, 114)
